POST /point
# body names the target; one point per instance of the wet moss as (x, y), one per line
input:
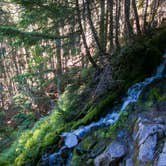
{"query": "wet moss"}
(101, 107)
(154, 93)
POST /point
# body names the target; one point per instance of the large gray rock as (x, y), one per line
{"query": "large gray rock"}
(162, 157)
(145, 128)
(113, 153)
(71, 140)
(146, 137)
(147, 149)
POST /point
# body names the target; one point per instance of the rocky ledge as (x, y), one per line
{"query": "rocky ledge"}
(145, 147)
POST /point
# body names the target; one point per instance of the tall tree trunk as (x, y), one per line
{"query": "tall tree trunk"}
(117, 24)
(102, 25)
(154, 11)
(136, 16)
(88, 54)
(59, 64)
(110, 4)
(145, 16)
(127, 18)
(94, 32)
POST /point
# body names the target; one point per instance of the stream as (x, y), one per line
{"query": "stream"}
(71, 138)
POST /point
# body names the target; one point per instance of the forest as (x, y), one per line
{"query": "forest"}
(82, 83)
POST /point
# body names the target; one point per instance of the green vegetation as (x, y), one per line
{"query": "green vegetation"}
(30, 143)
(64, 64)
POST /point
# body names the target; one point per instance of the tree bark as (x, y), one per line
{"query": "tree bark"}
(102, 25)
(94, 32)
(59, 64)
(145, 16)
(88, 54)
(110, 4)
(117, 24)
(127, 18)
(154, 11)
(136, 16)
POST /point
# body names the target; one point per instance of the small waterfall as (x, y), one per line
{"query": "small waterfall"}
(71, 138)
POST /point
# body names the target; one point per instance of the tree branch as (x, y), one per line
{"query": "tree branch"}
(13, 32)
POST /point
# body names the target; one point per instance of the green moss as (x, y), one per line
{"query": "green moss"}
(29, 145)
(95, 112)
(139, 59)
(153, 93)
(75, 159)
(87, 143)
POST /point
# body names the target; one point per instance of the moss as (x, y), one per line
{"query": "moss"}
(86, 144)
(139, 59)
(30, 143)
(95, 112)
(75, 159)
(154, 93)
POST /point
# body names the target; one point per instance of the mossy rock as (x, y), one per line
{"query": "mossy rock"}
(101, 107)
(155, 92)
(86, 144)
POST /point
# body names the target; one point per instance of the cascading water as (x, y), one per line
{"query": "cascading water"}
(71, 138)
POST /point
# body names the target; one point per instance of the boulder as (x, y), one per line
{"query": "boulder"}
(146, 135)
(147, 149)
(114, 152)
(71, 140)
(162, 157)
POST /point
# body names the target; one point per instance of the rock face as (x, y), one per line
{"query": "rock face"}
(147, 133)
(113, 153)
(145, 142)
(162, 157)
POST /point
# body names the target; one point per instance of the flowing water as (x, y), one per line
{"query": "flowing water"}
(71, 138)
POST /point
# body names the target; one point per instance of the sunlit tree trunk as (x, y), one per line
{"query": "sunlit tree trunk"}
(94, 32)
(58, 64)
(136, 16)
(145, 16)
(88, 54)
(110, 3)
(154, 8)
(117, 24)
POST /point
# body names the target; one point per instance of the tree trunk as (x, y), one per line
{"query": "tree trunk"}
(154, 11)
(59, 64)
(145, 16)
(88, 54)
(110, 4)
(94, 32)
(127, 18)
(136, 16)
(117, 24)
(102, 25)
(106, 26)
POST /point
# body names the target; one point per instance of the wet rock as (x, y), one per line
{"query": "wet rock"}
(147, 149)
(114, 152)
(129, 162)
(162, 157)
(145, 129)
(146, 135)
(71, 140)
(60, 158)
(98, 149)
(85, 145)
(159, 120)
